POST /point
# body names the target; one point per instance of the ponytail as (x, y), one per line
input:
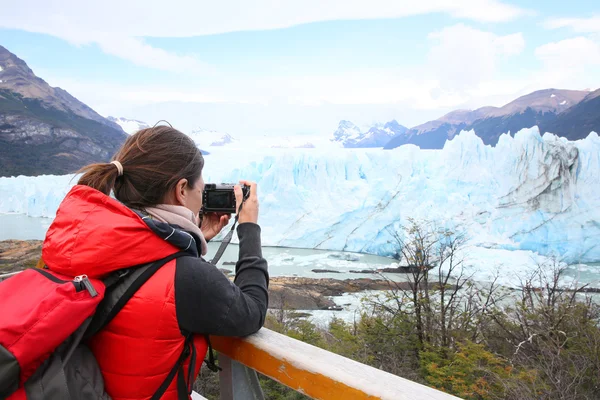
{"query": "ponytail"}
(101, 177)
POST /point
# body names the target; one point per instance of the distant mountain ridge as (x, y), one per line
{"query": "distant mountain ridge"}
(207, 138)
(350, 136)
(45, 130)
(130, 126)
(574, 122)
(540, 108)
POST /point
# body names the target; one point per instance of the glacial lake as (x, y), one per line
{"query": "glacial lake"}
(288, 262)
(283, 261)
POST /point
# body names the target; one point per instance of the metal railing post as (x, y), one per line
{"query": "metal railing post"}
(238, 382)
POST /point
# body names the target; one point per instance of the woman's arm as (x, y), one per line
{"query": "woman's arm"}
(208, 303)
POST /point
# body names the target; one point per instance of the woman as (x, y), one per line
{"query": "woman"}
(156, 178)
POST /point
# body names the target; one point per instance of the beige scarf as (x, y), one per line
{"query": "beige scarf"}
(181, 216)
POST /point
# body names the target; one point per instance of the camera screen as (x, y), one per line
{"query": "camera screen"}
(219, 199)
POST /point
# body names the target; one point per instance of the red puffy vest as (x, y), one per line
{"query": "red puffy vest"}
(94, 234)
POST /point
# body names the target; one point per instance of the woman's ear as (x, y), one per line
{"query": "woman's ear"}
(180, 194)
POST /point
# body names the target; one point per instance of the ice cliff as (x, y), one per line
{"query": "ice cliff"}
(527, 193)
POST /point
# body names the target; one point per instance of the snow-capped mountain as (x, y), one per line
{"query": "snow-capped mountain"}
(130, 126)
(346, 131)
(350, 135)
(207, 138)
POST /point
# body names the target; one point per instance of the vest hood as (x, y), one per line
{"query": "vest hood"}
(94, 234)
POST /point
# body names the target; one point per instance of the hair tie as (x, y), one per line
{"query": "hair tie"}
(119, 167)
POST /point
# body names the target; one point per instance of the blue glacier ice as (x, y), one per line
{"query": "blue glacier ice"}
(528, 196)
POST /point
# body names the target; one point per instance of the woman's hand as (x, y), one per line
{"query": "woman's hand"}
(250, 208)
(213, 223)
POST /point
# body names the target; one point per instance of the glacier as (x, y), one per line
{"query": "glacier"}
(528, 196)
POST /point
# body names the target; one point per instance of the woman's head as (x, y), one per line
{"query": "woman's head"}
(160, 165)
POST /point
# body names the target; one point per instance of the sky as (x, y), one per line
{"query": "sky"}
(267, 67)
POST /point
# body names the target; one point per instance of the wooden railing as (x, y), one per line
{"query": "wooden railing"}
(315, 372)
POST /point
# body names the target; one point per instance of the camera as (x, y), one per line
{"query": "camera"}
(221, 198)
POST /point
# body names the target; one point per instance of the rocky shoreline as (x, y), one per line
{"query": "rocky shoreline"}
(293, 293)
(16, 255)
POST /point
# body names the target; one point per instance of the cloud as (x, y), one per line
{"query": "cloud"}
(142, 54)
(461, 66)
(581, 25)
(117, 26)
(181, 18)
(462, 56)
(571, 63)
(569, 53)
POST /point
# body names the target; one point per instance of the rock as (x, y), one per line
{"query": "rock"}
(397, 270)
(344, 256)
(330, 286)
(299, 315)
(226, 271)
(334, 308)
(292, 298)
(16, 255)
(322, 271)
(364, 271)
(229, 262)
(401, 270)
(288, 259)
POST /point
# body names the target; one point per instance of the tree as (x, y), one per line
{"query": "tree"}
(553, 328)
(437, 279)
(471, 372)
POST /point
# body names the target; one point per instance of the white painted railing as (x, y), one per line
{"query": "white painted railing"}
(307, 369)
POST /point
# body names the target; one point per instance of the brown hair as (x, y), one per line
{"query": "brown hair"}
(153, 160)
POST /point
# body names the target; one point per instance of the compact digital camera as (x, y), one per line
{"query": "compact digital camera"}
(219, 197)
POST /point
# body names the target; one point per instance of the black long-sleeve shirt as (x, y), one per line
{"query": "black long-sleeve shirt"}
(207, 302)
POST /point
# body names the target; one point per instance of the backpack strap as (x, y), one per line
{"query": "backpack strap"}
(210, 363)
(120, 287)
(182, 388)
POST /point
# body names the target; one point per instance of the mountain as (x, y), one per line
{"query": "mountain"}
(350, 135)
(537, 108)
(579, 120)
(346, 131)
(206, 138)
(45, 130)
(130, 126)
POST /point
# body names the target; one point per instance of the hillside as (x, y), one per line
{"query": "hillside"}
(45, 130)
(578, 121)
(540, 108)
